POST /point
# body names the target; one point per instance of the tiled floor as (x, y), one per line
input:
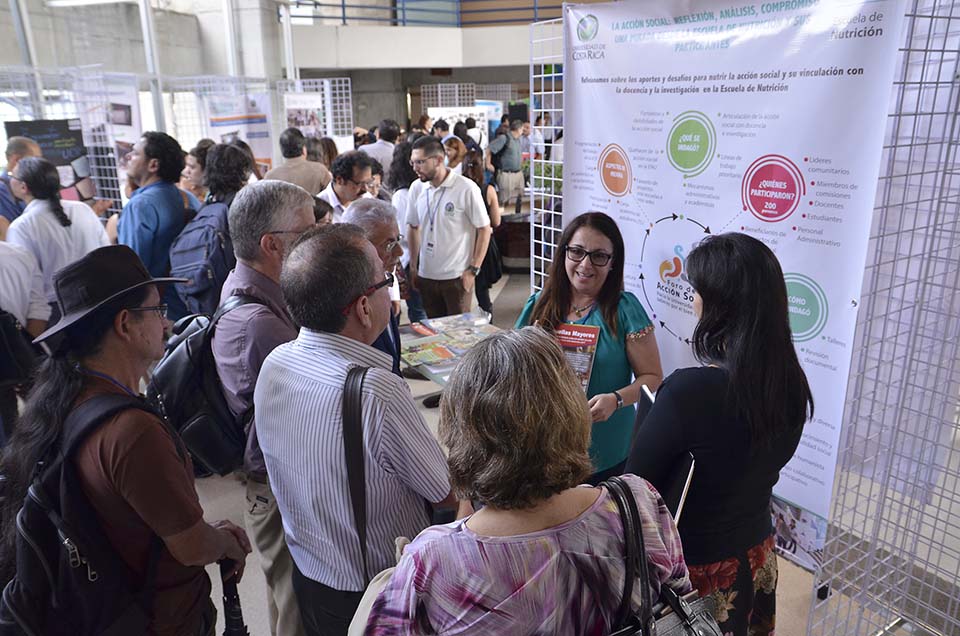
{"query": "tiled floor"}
(222, 498)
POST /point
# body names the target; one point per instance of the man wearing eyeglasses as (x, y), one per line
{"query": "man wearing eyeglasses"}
(449, 231)
(335, 286)
(352, 174)
(378, 220)
(265, 219)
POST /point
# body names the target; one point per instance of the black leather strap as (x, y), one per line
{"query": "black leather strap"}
(635, 556)
(353, 453)
(623, 614)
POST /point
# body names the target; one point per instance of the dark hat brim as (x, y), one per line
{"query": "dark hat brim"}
(71, 318)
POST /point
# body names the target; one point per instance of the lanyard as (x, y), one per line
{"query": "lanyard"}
(108, 378)
(432, 216)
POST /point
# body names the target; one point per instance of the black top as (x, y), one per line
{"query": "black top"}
(728, 507)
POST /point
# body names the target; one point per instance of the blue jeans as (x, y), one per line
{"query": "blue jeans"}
(415, 310)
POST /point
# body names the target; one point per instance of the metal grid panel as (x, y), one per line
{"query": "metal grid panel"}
(447, 95)
(66, 94)
(505, 93)
(546, 174)
(892, 556)
(337, 106)
(183, 102)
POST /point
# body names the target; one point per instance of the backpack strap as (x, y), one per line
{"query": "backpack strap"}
(231, 303)
(353, 453)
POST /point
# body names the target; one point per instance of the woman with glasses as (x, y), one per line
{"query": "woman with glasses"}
(585, 287)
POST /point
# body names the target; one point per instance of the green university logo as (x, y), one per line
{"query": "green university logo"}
(587, 28)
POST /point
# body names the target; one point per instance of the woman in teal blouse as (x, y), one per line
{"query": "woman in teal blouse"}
(586, 287)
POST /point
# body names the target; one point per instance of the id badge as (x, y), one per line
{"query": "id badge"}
(428, 248)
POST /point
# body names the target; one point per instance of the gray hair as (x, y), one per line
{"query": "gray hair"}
(326, 270)
(368, 213)
(262, 207)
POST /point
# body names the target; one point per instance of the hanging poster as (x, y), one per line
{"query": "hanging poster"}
(244, 117)
(306, 112)
(124, 116)
(688, 119)
(61, 142)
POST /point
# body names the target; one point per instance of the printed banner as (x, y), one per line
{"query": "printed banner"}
(245, 117)
(695, 118)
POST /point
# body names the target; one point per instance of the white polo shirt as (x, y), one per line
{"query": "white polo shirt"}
(21, 285)
(448, 217)
(54, 246)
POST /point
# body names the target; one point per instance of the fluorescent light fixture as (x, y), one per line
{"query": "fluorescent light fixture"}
(65, 4)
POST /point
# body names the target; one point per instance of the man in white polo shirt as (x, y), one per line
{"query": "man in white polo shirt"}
(449, 231)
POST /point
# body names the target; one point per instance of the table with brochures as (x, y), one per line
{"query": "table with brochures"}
(435, 346)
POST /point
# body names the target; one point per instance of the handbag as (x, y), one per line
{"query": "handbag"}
(673, 615)
(17, 358)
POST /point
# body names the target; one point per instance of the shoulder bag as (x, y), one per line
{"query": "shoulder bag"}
(673, 615)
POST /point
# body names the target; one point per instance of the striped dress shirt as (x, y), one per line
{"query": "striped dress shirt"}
(299, 425)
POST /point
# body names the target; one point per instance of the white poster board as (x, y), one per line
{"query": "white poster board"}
(125, 124)
(245, 117)
(305, 111)
(686, 119)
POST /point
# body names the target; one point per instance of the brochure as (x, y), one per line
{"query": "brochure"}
(429, 351)
(579, 344)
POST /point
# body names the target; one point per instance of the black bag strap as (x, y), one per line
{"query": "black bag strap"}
(353, 453)
(231, 303)
(635, 555)
(79, 424)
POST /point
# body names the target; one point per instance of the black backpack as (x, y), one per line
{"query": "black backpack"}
(69, 579)
(186, 389)
(203, 254)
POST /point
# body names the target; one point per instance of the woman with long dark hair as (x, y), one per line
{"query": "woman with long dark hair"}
(400, 177)
(741, 414)
(330, 150)
(491, 269)
(585, 287)
(56, 232)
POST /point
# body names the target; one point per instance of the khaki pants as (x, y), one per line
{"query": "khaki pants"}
(509, 186)
(262, 517)
(443, 297)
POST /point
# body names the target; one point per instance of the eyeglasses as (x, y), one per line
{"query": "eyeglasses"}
(393, 243)
(386, 282)
(297, 232)
(361, 184)
(597, 257)
(160, 309)
(416, 163)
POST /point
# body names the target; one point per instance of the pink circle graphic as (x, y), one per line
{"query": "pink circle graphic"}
(772, 188)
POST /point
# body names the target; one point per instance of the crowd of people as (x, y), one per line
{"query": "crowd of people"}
(321, 250)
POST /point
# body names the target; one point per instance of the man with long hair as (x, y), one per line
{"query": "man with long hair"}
(132, 469)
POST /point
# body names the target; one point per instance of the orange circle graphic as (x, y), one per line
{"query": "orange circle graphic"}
(615, 172)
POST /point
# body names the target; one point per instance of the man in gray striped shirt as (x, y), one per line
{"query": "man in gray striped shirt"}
(334, 285)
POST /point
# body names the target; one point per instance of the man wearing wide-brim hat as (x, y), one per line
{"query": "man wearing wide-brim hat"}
(132, 468)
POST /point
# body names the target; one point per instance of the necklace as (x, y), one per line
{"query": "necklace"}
(579, 310)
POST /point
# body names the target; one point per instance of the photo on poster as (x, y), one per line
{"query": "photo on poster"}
(800, 535)
(243, 117)
(121, 114)
(305, 111)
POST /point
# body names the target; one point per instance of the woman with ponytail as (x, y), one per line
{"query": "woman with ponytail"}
(56, 232)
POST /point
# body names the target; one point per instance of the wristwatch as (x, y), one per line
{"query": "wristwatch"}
(474, 270)
(619, 399)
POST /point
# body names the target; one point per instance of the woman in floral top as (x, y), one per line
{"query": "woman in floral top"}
(543, 556)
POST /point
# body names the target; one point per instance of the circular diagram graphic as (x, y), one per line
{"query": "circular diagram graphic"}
(692, 143)
(807, 307)
(772, 188)
(615, 172)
